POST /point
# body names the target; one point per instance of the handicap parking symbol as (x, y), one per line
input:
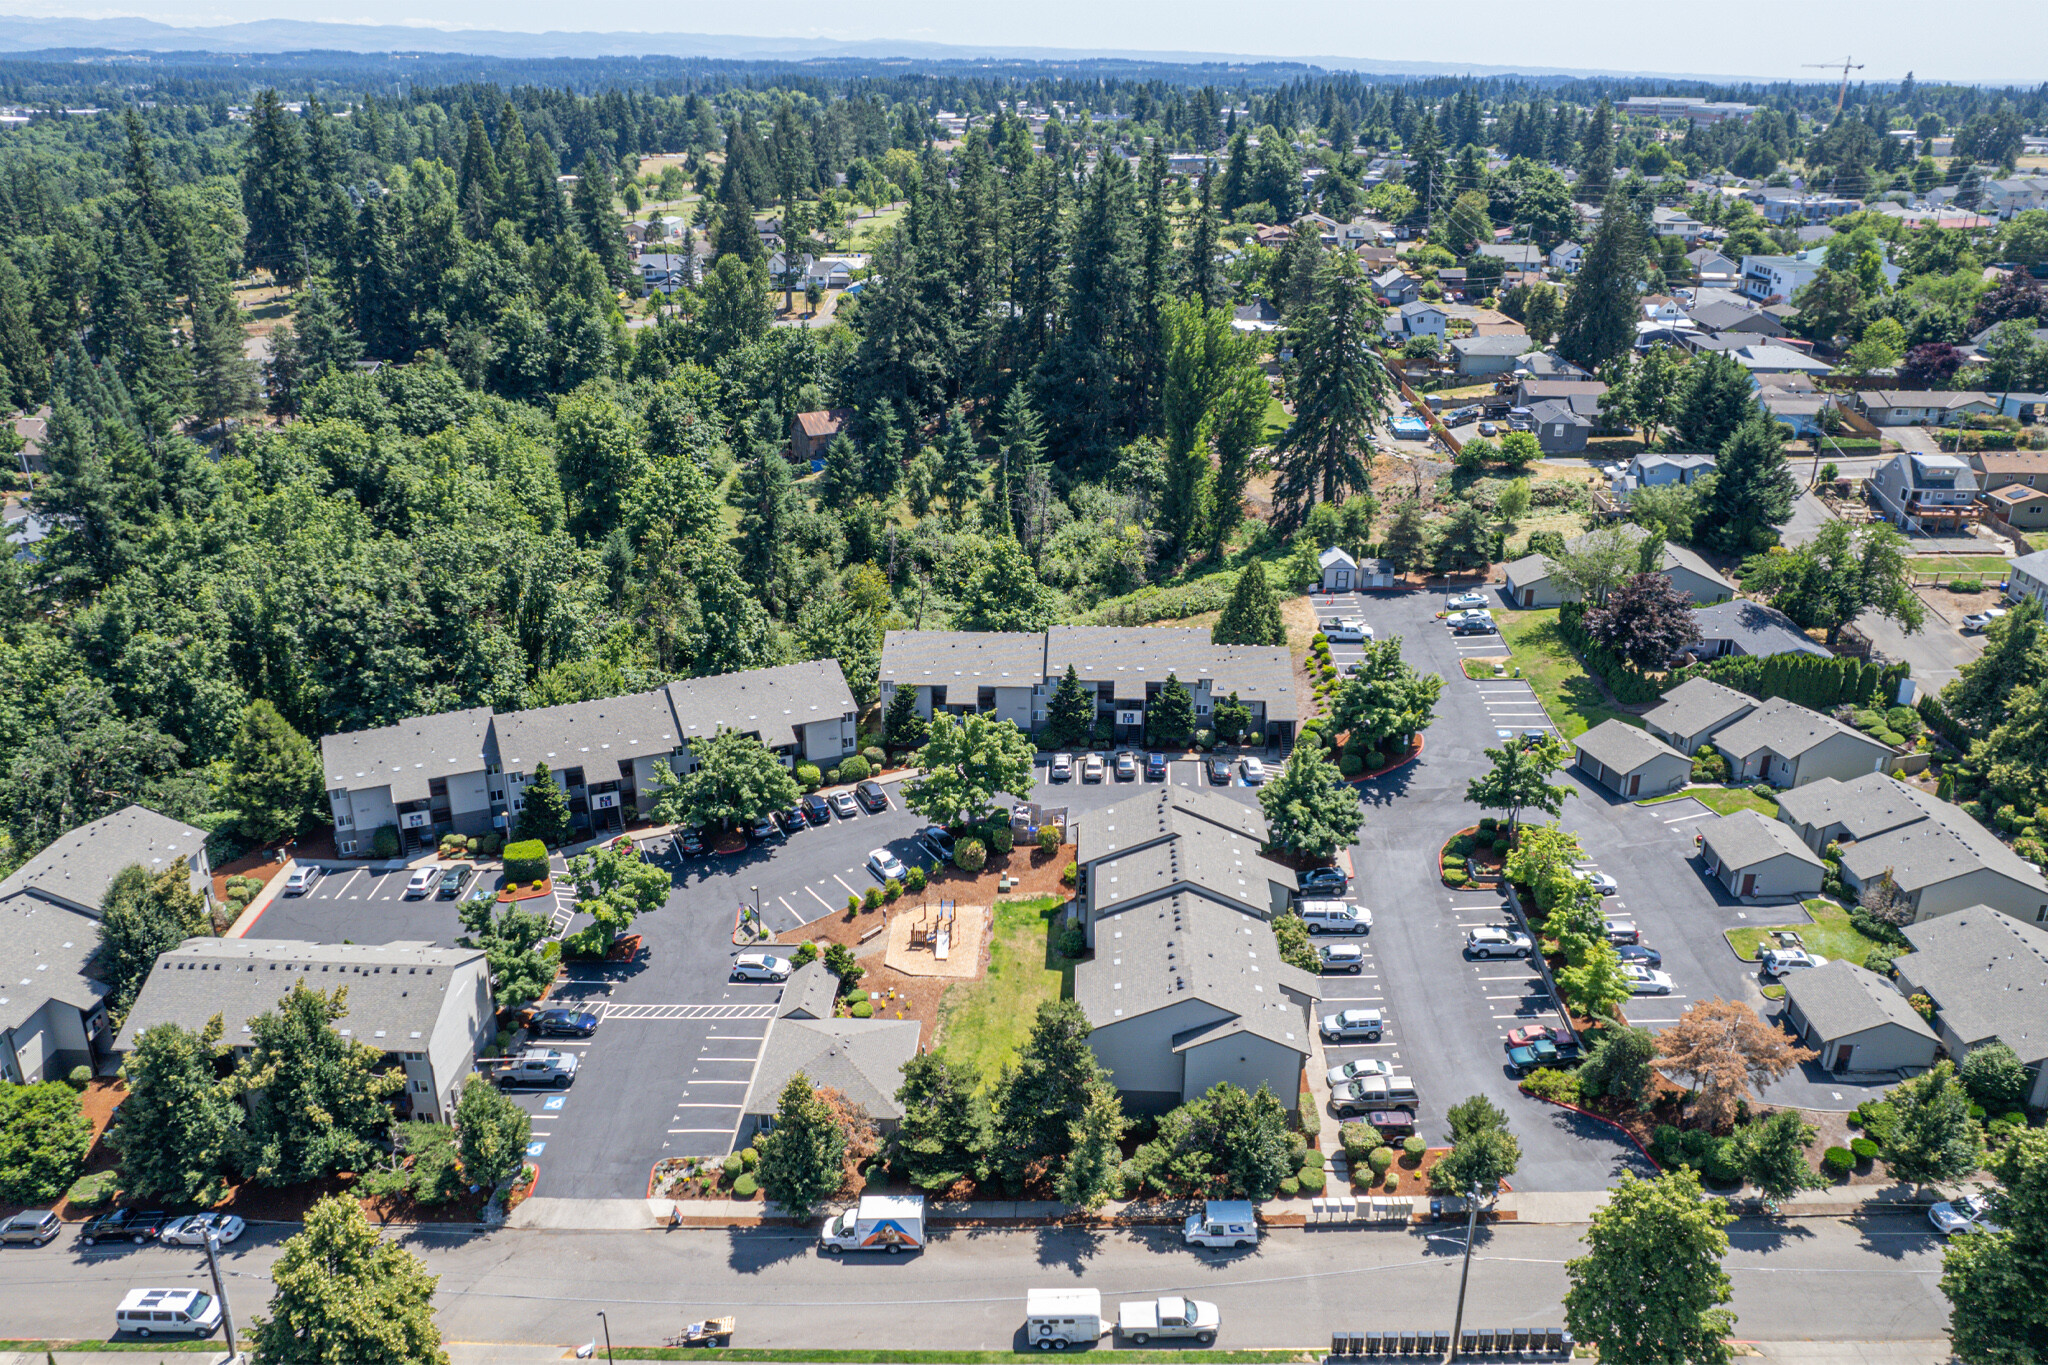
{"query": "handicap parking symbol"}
(536, 1148)
(555, 1103)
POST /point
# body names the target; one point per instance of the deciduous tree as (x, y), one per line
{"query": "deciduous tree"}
(1309, 812)
(964, 764)
(1649, 1289)
(1993, 1278)
(1772, 1155)
(177, 1128)
(1722, 1048)
(318, 1102)
(736, 781)
(44, 1137)
(1837, 576)
(1520, 779)
(1932, 1138)
(141, 917)
(1646, 620)
(492, 1133)
(341, 1292)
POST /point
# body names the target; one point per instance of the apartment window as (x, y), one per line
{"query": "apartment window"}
(348, 846)
(414, 1056)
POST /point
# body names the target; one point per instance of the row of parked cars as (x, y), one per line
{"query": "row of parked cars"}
(813, 809)
(35, 1227)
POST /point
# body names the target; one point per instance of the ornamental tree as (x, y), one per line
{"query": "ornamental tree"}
(1252, 616)
(1646, 620)
(1772, 1155)
(965, 763)
(1722, 1048)
(492, 1133)
(801, 1155)
(177, 1128)
(44, 1137)
(1310, 812)
(1650, 1287)
(342, 1292)
(1932, 1139)
(318, 1102)
(1520, 779)
(1070, 714)
(1993, 1279)
(545, 813)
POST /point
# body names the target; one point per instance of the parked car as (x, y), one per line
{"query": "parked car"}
(1621, 931)
(1982, 619)
(844, 806)
(1470, 614)
(885, 865)
(454, 879)
(1498, 940)
(30, 1227)
(765, 829)
(191, 1230)
(421, 883)
(538, 1067)
(1640, 954)
(1646, 981)
(1126, 767)
(1966, 1214)
(1603, 883)
(1254, 772)
(760, 967)
(817, 810)
(137, 1225)
(1458, 601)
(1346, 629)
(1341, 957)
(791, 820)
(1353, 1026)
(1351, 1071)
(1489, 429)
(1324, 881)
(1093, 768)
(563, 1024)
(301, 879)
(873, 795)
(939, 840)
(1777, 962)
(1473, 625)
(1155, 767)
(1370, 1093)
(1219, 771)
(1061, 769)
(690, 842)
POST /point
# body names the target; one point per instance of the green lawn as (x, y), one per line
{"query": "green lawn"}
(1726, 800)
(1953, 564)
(1831, 935)
(1575, 699)
(1277, 421)
(983, 1023)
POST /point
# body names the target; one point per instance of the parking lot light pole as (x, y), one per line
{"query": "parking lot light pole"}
(607, 1336)
(220, 1291)
(1471, 1229)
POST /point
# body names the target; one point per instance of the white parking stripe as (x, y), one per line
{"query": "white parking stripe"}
(700, 1130)
(843, 882)
(1683, 818)
(710, 1106)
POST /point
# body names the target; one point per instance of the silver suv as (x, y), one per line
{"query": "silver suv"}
(1498, 940)
(1353, 1026)
(539, 1068)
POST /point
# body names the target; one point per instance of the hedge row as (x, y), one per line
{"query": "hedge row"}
(526, 860)
(1820, 684)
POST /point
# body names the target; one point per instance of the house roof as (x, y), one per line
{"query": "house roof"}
(1218, 861)
(1622, 747)
(1181, 948)
(1165, 813)
(824, 422)
(1864, 806)
(1759, 628)
(1335, 555)
(79, 865)
(1716, 316)
(2015, 493)
(1842, 998)
(860, 1058)
(1943, 400)
(938, 658)
(1557, 410)
(1505, 343)
(1513, 252)
(1787, 729)
(587, 734)
(771, 702)
(45, 951)
(404, 756)
(396, 991)
(1778, 358)
(1416, 309)
(1945, 845)
(1129, 659)
(1746, 838)
(1698, 704)
(809, 992)
(2014, 462)
(1988, 975)
(1535, 389)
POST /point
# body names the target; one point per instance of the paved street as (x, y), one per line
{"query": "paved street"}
(1825, 1279)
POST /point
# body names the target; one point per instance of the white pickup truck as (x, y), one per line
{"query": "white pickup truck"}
(1169, 1316)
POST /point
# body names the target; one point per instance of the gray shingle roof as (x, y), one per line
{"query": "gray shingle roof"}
(1788, 730)
(593, 735)
(1697, 705)
(1165, 813)
(44, 952)
(771, 702)
(396, 991)
(1129, 659)
(1864, 807)
(1622, 747)
(944, 658)
(860, 1058)
(1184, 947)
(1841, 998)
(809, 992)
(1746, 838)
(404, 756)
(79, 865)
(1756, 628)
(1928, 852)
(1988, 975)
(1500, 343)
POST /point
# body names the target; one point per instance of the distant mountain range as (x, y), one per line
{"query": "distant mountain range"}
(21, 34)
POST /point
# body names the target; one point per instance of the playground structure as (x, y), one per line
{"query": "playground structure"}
(931, 929)
(936, 938)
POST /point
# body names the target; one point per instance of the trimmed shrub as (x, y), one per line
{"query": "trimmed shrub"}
(1350, 765)
(91, 1191)
(734, 1167)
(805, 955)
(1358, 1140)
(1001, 839)
(751, 1156)
(526, 861)
(1311, 1180)
(746, 1187)
(1488, 823)
(872, 900)
(1048, 838)
(892, 891)
(1289, 1187)
(808, 777)
(1393, 1182)
(854, 769)
(1073, 941)
(384, 843)
(852, 904)
(1548, 1084)
(488, 845)
(1071, 873)
(831, 777)
(1380, 1159)
(970, 855)
(1838, 1161)
(1455, 876)
(1413, 1145)
(913, 880)
(79, 1078)
(862, 1009)
(875, 757)
(1863, 1149)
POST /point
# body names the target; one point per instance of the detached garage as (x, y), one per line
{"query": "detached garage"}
(1856, 1020)
(1631, 762)
(1760, 859)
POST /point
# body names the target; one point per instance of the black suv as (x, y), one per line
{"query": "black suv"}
(690, 842)
(817, 809)
(791, 820)
(1324, 881)
(1155, 767)
(137, 1225)
(872, 795)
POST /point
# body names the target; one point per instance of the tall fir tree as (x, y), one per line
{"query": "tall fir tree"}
(1600, 316)
(1342, 393)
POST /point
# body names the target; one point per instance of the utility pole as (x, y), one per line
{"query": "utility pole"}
(220, 1291)
(1840, 95)
(1471, 1227)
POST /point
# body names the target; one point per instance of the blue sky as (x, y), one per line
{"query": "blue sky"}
(1767, 39)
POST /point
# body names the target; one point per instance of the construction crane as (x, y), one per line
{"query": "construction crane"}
(1848, 65)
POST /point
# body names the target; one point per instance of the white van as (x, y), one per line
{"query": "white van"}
(1222, 1223)
(1055, 1319)
(158, 1312)
(1334, 917)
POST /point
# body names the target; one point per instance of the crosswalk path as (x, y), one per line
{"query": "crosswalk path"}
(616, 1010)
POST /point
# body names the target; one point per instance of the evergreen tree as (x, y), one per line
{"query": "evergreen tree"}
(597, 222)
(946, 1130)
(1753, 490)
(1252, 616)
(276, 194)
(1715, 397)
(142, 916)
(1093, 1169)
(1020, 455)
(545, 815)
(1170, 716)
(902, 727)
(1600, 315)
(1596, 156)
(1407, 545)
(480, 187)
(801, 1155)
(223, 378)
(1039, 1101)
(1070, 715)
(274, 777)
(1342, 393)
(1202, 281)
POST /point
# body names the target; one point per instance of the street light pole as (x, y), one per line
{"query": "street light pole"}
(607, 1336)
(1471, 1228)
(220, 1291)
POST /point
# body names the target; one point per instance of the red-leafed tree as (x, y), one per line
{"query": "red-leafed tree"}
(1930, 365)
(1645, 621)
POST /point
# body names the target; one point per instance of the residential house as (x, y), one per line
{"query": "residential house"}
(1724, 318)
(1662, 308)
(428, 1010)
(1762, 360)
(1454, 280)
(2027, 576)
(1516, 256)
(1481, 357)
(1563, 425)
(1754, 628)
(1396, 287)
(1692, 713)
(2015, 194)
(1922, 407)
(1532, 580)
(1418, 320)
(1565, 257)
(1548, 366)
(1996, 469)
(1676, 223)
(2018, 507)
(665, 272)
(1939, 859)
(1629, 761)
(1175, 840)
(1256, 316)
(810, 433)
(1921, 491)
(1776, 279)
(1783, 743)
(1987, 976)
(1536, 388)
(1652, 470)
(1710, 267)
(1857, 1021)
(1757, 858)
(52, 1018)
(1792, 399)
(1184, 993)
(862, 1059)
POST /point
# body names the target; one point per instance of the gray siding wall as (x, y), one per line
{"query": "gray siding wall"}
(1841, 757)
(1247, 1061)
(464, 1027)
(1138, 1052)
